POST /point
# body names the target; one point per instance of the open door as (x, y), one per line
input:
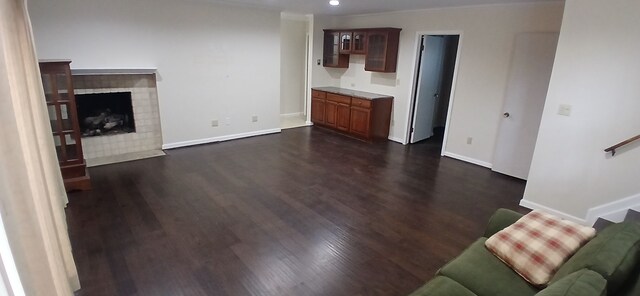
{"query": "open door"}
(524, 103)
(428, 86)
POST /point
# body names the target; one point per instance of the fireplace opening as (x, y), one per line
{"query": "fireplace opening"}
(105, 114)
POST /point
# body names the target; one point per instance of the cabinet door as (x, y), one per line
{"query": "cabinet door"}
(345, 42)
(331, 113)
(376, 51)
(382, 50)
(331, 53)
(359, 43)
(343, 117)
(360, 118)
(317, 110)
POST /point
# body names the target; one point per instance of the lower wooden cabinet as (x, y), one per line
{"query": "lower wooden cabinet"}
(366, 118)
(360, 121)
(343, 120)
(317, 110)
(331, 113)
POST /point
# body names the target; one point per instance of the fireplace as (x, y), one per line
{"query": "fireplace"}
(103, 114)
(129, 99)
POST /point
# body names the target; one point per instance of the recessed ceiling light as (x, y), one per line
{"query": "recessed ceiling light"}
(334, 2)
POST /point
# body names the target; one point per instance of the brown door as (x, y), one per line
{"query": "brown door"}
(360, 121)
(331, 113)
(343, 117)
(317, 110)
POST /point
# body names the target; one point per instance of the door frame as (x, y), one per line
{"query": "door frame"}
(309, 68)
(414, 87)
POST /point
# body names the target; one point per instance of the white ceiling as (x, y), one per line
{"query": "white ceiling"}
(348, 7)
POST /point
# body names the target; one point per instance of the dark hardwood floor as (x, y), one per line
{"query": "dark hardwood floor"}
(304, 212)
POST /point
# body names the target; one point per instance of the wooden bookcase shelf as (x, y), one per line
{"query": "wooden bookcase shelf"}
(61, 105)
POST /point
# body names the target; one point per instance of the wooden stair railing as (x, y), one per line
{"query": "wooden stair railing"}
(613, 148)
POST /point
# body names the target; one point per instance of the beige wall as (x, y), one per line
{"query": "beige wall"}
(488, 35)
(214, 61)
(597, 71)
(293, 47)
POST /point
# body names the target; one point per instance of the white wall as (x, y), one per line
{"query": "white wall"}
(487, 42)
(597, 71)
(214, 61)
(293, 48)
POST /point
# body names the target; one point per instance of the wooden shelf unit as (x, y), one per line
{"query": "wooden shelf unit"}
(61, 106)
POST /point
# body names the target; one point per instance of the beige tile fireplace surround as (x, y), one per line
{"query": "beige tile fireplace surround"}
(146, 141)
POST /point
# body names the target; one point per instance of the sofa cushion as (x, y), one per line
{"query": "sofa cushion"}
(444, 286)
(484, 274)
(537, 244)
(580, 283)
(500, 220)
(613, 253)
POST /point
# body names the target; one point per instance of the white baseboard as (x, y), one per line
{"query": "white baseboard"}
(220, 139)
(468, 159)
(401, 141)
(614, 211)
(535, 206)
(309, 123)
(297, 114)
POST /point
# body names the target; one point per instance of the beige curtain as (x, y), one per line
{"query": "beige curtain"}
(32, 195)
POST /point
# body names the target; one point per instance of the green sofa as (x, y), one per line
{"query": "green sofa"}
(609, 264)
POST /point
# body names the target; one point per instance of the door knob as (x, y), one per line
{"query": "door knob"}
(506, 114)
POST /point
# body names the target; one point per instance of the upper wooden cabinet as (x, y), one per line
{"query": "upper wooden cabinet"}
(382, 50)
(346, 42)
(359, 44)
(379, 45)
(332, 56)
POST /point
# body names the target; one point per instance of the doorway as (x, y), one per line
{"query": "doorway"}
(294, 80)
(436, 65)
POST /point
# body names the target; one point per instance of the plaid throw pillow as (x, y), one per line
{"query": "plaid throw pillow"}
(538, 244)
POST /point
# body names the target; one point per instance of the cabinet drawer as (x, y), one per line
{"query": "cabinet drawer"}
(338, 98)
(318, 94)
(361, 103)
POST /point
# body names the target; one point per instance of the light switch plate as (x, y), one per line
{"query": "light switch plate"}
(564, 110)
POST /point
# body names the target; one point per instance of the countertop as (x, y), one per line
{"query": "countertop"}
(352, 93)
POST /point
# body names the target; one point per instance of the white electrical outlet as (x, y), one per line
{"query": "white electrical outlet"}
(353, 85)
(469, 140)
(227, 121)
(214, 123)
(254, 118)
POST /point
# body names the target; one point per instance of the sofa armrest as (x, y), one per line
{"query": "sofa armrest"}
(500, 220)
